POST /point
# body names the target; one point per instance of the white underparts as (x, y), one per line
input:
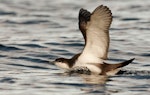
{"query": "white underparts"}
(89, 61)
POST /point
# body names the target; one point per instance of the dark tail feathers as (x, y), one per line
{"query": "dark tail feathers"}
(106, 67)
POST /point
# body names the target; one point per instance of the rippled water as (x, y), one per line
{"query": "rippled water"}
(34, 32)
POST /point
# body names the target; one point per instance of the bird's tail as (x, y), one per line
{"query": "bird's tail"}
(106, 67)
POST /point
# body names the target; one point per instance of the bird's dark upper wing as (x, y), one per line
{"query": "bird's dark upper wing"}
(84, 17)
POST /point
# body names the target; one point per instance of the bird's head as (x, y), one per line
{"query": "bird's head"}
(62, 63)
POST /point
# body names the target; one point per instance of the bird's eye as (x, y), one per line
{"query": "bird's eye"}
(59, 60)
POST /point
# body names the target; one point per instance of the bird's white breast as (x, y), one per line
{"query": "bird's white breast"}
(89, 61)
(85, 58)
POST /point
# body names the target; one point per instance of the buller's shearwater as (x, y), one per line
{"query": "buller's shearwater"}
(95, 29)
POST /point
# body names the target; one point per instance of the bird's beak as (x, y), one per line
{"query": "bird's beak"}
(52, 62)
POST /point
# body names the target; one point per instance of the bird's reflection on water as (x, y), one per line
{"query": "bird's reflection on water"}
(86, 78)
(94, 79)
(102, 79)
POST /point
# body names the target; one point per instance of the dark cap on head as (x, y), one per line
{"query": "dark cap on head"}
(60, 60)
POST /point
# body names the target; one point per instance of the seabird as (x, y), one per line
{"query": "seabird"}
(95, 29)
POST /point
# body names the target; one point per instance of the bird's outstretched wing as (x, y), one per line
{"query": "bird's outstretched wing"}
(84, 17)
(95, 29)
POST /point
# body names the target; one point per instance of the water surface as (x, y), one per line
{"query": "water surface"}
(34, 32)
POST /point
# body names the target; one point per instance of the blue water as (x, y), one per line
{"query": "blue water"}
(34, 32)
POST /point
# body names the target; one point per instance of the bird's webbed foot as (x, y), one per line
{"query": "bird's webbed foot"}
(80, 70)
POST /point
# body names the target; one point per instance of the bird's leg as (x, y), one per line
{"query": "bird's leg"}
(80, 70)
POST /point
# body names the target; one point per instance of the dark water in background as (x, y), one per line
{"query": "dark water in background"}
(34, 32)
